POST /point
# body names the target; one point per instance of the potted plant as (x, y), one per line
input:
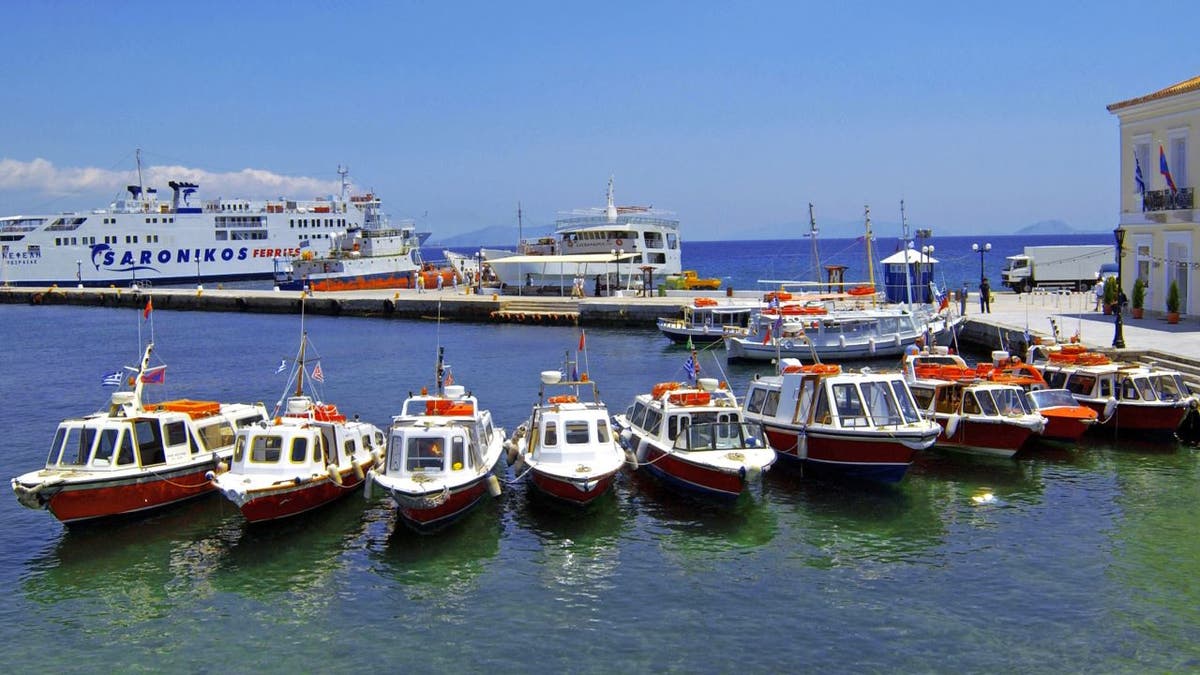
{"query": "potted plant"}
(1110, 294)
(1139, 297)
(1173, 303)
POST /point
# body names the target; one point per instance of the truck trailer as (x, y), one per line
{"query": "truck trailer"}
(1074, 267)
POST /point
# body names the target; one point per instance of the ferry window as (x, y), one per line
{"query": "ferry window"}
(219, 435)
(883, 408)
(106, 446)
(125, 456)
(602, 434)
(771, 404)
(577, 433)
(907, 410)
(849, 405)
(550, 434)
(266, 449)
(653, 419)
(757, 396)
(56, 447)
(176, 433)
(970, 405)
(424, 453)
(299, 449)
(672, 241)
(149, 442)
(458, 453)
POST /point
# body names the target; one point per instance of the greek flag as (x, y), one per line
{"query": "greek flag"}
(282, 366)
(1137, 176)
(112, 379)
(691, 367)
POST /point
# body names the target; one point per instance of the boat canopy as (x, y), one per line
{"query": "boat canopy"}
(576, 258)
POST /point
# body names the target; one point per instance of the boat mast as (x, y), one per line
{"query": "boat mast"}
(139, 384)
(869, 237)
(137, 153)
(343, 172)
(441, 371)
(907, 265)
(812, 232)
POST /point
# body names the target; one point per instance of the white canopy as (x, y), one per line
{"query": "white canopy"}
(550, 259)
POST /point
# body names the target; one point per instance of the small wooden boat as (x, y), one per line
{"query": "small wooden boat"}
(692, 437)
(855, 425)
(306, 457)
(566, 448)
(441, 456)
(134, 457)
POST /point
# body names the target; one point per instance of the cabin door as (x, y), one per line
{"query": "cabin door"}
(805, 397)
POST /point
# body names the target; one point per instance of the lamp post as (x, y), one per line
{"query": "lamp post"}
(199, 286)
(617, 253)
(479, 272)
(927, 253)
(79, 273)
(1118, 326)
(981, 249)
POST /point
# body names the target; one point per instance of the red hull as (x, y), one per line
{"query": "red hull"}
(830, 448)
(1064, 428)
(295, 501)
(693, 476)
(1158, 419)
(1002, 440)
(569, 491)
(148, 492)
(458, 503)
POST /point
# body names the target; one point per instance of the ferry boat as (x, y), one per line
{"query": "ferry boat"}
(855, 425)
(308, 456)
(134, 456)
(442, 452)
(566, 448)
(614, 244)
(1129, 397)
(707, 321)
(140, 238)
(693, 437)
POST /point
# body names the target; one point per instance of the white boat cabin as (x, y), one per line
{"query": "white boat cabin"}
(695, 421)
(435, 434)
(820, 395)
(267, 449)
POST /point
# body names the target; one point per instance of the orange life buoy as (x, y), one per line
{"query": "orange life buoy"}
(662, 388)
(618, 241)
(704, 302)
(862, 290)
(690, 398)
(565, 398)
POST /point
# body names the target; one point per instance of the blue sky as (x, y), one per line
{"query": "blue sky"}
(983, 117)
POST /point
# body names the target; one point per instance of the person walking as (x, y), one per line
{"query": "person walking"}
(420, 282)
(985, 297)
(1099, 291)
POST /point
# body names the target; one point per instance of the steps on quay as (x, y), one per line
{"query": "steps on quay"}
(563, 312)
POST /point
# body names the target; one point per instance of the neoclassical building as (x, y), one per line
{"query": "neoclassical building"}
(1162, 227)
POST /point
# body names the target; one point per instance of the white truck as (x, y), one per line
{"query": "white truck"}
(1074, 267)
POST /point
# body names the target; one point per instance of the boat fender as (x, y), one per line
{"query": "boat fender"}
(368, 481)
(377, 458)
(209, 476)
(951, 426)
(510, 452)
(871, 345)
(631, 460)
(751, 473)
(334, 474)
(624, 438)
(1109, 407)
(358, 470)
(518, 464)
(493, 485)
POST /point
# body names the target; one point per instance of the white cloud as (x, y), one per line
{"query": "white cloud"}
(41, 176)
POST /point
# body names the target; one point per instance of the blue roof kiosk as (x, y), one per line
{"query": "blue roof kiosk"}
(922, 268)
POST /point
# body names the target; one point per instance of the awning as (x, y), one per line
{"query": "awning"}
(555, 259)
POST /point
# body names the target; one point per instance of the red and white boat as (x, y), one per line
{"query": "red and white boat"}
(441, 456)
(306, 457)
(134, 456)
(856, 425)
(1130, 397)
(977, 416)
(693, 437)
(566, 448)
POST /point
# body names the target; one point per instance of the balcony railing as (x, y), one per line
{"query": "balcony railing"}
(1166, 200)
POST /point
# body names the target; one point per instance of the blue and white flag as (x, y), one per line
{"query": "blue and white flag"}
(112, 379)
(1139, 182)
(691, 367)
(282, 366)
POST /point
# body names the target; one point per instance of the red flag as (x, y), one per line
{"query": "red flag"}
(149, 308)
(767, 335)
(155, 375)
(582, 335)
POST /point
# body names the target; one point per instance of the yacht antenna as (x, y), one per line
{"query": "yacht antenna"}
(907, 248)
(870, 256)
(141, 188)
(520, 248)
(812, 232)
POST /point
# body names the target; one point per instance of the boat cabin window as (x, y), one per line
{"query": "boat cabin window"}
(808, 389)
(247, 421)
(1169, 387)
(550, 434)
(366, 442)
(638, 418)
(907, 409)
(215, 436)
(299, 450)
(424, 454)
(125, 455)
(970, 405)
(881, 403)
(1010, 401)
(771, 404)
(757, 396)
(149, 442)
(676, 426)
(653, 419)
(1055, 379)
(1106, 387)
(487, 432)
(78, 446)
(265, 449)
(672, 241)
(56, 447)
(923, 396)
(949, 399)
(176, 433)
(458, 452)
(821, 412)
(849, 406)
(1079, 384)
(986, 403)
(602, 434)
(348, 448)
(106, 446)
(577, 433)
(654, 239)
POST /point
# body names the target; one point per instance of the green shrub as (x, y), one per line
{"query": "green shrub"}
(1139, 293)
(1173, 298)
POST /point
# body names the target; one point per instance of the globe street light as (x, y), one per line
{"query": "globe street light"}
(981, 249)
(1119, 327)
(927, 254)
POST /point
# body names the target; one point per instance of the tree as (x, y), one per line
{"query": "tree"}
(1110, 291)
(1173, 298)
(1139, 293)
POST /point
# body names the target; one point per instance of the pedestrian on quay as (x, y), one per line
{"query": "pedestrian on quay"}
(985, 297)
(962, 300)
(1099, 291)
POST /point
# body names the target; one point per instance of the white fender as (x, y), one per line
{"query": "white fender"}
(358, 470)
(493, 485)
(1109, 406)
(871, 344)
(951, 426)
(368, 481)
(753, 473)
(334, 474)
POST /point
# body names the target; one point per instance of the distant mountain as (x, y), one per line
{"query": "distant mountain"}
(497, 235)
(1048, 227)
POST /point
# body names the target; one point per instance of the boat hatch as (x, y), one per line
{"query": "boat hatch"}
(429, 452)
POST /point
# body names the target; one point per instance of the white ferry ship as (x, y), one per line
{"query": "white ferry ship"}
(614, 243)
(142, 239)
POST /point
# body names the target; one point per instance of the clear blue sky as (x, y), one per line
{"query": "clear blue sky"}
(983, 116)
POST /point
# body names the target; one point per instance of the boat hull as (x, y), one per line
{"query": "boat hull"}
(1067, 428)
(440, 513)
(354, 282)
(96, 499)
(877, 458)
(298, 499)
(691, 477)
(984, 438)
(579, 492)
(1143, 418)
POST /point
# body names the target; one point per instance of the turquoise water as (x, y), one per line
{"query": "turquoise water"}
(1084, 560)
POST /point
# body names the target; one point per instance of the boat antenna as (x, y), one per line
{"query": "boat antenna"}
(907, 248)
(441, 369)
(344, 171)
(300, 357)
(812, 232)
(520, 247)
(137, 153)
(869, 236)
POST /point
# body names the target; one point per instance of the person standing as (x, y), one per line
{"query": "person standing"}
(1099, 291)
(962, 300)
(985, 297)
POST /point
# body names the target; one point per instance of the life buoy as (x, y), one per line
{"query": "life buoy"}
(618, 241)
(566, 398)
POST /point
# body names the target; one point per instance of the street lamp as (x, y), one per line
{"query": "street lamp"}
(79, 273)
(981, 249)
(617, 253)
(479, 272)
(1119, 327)
(927, 253)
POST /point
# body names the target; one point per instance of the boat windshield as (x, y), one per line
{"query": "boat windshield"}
(1170, 387)
(709, 435)
(1052, 398)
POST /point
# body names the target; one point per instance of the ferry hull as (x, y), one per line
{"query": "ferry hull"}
(579, 493)
(106, 499)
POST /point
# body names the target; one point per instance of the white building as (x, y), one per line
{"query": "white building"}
(1161, 225)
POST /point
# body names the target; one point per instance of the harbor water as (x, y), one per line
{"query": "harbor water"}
(1067, 559)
